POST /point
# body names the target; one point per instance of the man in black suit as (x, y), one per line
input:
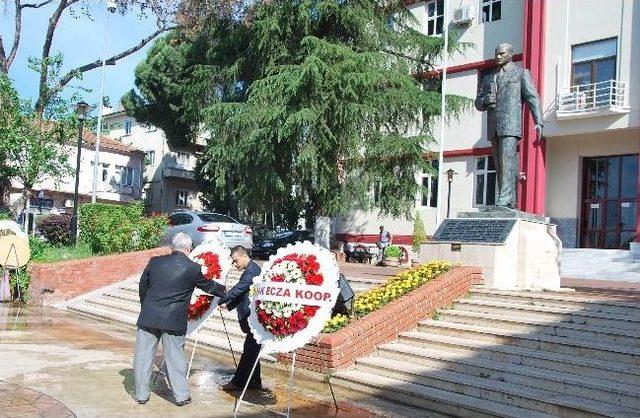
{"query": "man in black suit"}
(166, 286)
(238, 297)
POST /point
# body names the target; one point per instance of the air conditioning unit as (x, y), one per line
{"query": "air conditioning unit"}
(464, 15)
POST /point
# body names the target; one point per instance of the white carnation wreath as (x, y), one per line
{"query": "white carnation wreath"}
(224, 258)
(330, 273)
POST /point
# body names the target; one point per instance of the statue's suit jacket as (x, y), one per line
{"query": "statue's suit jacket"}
(509, 90)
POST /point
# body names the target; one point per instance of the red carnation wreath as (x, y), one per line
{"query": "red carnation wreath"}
(211, 270)
(284, 319)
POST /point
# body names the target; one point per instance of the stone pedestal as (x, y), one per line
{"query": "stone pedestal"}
(634, 248)
(528, 258)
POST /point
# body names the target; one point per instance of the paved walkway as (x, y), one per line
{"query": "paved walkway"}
(54, 364)
(613, 265)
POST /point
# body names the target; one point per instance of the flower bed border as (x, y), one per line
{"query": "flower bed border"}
(72, 278)
(340, 349)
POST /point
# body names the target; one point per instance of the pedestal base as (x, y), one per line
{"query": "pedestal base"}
(529, 258)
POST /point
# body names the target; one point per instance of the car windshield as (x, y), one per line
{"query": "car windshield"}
(264, 233)
(216, 217)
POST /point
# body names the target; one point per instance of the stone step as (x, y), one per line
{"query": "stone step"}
(213, 326)
(580, 386)
(429, 398)
(541, 400)
(212, 341)
(565, 363)
(557, 300)
(548, 313)
(520, 324)
(562, 345)
(129, 302)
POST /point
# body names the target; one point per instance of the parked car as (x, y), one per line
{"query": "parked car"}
(269, 246)
(207, 226)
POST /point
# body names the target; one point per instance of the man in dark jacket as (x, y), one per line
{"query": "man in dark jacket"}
(238, 297)
(166, 286)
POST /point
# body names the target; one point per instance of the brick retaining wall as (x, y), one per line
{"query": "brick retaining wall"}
(340, 349)
(72, 278)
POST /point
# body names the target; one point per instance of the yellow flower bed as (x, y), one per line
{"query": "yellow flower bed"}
(401, 284)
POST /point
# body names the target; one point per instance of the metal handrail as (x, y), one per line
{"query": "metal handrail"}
(587, 97)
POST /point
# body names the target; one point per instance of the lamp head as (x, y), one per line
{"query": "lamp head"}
(450, 174)
(111, 6)
(81, 110)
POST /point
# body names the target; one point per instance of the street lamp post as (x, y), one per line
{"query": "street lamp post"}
(450, 174)
(111, 8)
(81, 112)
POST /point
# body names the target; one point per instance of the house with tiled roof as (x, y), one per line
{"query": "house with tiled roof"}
(120, 171)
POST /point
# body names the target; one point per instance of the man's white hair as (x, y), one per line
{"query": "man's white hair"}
(182, 242)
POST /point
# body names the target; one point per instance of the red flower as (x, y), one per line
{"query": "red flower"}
(277, 278)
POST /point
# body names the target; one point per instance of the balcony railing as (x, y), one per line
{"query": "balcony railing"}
(178, 173)
(603, 98)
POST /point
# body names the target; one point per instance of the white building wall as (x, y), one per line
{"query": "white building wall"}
(160, 188)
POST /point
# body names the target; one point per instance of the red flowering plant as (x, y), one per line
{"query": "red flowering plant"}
(283, 319)
(214, 262)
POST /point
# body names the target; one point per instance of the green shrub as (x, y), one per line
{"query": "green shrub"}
(419, 235)
(393, 251)
(56, 229)
(20, 279)
(119, 228)
(37, 247)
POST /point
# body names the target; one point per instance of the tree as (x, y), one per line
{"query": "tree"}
(163, 10)
(335, 109)
(31, 149)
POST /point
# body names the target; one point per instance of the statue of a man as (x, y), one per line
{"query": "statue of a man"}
(501, 94)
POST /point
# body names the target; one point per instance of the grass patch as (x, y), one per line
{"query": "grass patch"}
(50, 253)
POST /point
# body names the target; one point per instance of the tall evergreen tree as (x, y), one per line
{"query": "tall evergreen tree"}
(335, 109)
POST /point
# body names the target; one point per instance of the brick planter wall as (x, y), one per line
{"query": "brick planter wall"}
(340, 349)
(72, 278)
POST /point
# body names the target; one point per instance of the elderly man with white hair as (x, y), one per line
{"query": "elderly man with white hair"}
(166, 286)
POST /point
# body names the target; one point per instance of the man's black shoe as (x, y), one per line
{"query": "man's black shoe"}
(142, 402)
(185, 402)
(230, 387)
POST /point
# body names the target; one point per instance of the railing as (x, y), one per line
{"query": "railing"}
(588, 98)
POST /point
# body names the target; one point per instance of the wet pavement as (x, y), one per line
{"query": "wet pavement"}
(56, 364)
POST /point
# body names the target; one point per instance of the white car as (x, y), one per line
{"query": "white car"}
(207, 226)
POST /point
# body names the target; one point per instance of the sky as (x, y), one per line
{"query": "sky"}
(81, 41)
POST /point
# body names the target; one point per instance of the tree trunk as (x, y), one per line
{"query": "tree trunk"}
(5, 190)
(323, 231)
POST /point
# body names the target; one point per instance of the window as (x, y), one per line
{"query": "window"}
(491, 10)
(435, 17)
(593, 62)
(485, 181)
(182, 197)
(150, 157)
(180, 219)
(432, 82)
(125, 175)
(105, 172)
(217, 217)
(429, 194)
(183, 160)
(128, 124)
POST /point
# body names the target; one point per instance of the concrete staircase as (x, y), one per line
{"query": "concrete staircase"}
(512, 354)
(120, 303)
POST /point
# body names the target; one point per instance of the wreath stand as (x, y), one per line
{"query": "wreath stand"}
(17, 254)
(244, 390)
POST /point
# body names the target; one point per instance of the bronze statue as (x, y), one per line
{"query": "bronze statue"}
(501, 94)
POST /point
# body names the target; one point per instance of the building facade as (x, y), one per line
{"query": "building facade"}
(169, 180)
(119, 179)
(584, 173)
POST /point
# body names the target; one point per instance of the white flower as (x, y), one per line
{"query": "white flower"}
(204, 270)
(200, 261)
